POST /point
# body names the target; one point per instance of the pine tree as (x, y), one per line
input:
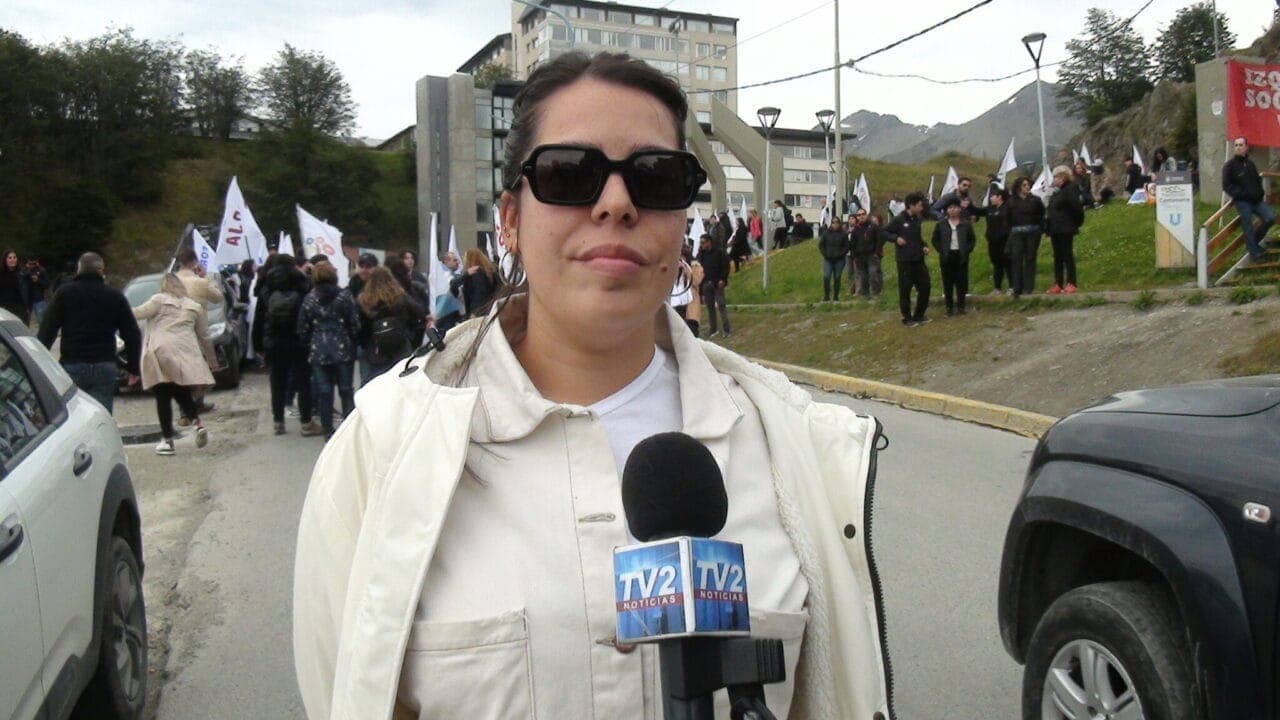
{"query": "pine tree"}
(1189, 40)
(1107, 68)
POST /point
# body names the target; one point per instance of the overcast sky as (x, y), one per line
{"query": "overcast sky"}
(383, 51)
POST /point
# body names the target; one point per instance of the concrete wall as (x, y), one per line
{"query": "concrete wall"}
(446, 138)
(700, 146)
(1211, 124)
(747, 145)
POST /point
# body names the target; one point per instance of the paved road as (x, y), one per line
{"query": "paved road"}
(943, 500)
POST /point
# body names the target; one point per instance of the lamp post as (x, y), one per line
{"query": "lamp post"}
(674, 29)
(768, 119)
(1038, 40)
(825, 118)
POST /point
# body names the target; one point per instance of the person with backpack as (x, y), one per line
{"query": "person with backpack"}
(391, 323)
(328, 326)
(275, 330)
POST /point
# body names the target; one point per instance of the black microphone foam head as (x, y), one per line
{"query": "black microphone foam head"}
(672, 486)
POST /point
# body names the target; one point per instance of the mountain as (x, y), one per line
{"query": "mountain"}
(886, 137)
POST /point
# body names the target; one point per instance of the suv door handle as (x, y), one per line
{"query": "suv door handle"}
(83, 460)
(11, 536)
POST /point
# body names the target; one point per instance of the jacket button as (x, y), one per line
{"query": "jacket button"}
(850, 531)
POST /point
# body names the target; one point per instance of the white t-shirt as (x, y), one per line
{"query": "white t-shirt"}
(648, 405)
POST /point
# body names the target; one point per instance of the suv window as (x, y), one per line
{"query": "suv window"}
(22, 417)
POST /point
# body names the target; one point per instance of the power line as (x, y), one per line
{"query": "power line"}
(810, 11)
(850, 63)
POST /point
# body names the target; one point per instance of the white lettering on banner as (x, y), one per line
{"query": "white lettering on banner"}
(722, 575)
(646, 579)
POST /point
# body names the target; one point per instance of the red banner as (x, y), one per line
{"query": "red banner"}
(1253, 103)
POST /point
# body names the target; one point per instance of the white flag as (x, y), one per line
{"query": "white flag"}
(321, 238)
(742, 210)
(1084, 155)
(864, 195)
(437, 274)
(238, 237)
(453, 243)
(204, 253)
(952, 181)
(1008, 165)
(824, 218)
(1043, 185)
(1137, 159)
(697, 230)
(285, 246)
(733, 218)
(1075, 157)
(930, 189)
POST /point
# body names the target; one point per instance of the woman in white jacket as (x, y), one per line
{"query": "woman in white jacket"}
(454, 553)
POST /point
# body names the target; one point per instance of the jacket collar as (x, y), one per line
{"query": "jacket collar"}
(510, 407)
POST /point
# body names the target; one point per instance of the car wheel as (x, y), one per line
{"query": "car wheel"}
(1111, 651)
(119, 687)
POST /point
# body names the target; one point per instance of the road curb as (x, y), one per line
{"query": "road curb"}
(1028, 424)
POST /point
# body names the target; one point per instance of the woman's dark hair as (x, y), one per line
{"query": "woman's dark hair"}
(1159, 156)
(4, 260)
(246, 267)
(617, 68)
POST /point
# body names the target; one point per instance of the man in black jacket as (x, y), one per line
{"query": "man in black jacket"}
(89, 313)
(863, 243)
(954, 240)
(1240, 180)
(961, 195)
(715, 278)
(909, 253)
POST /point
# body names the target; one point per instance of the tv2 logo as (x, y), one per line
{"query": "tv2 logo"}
(646, 579)
(722, 575)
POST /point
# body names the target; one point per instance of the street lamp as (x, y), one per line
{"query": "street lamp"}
(825, 118)
(1038, 40)
(674, 29)
(768, 119)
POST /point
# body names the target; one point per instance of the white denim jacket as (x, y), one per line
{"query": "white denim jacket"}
(383, 484)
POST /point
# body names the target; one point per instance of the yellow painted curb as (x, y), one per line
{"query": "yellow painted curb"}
(1025, 423)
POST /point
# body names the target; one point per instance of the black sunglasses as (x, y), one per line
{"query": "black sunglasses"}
(574, 175)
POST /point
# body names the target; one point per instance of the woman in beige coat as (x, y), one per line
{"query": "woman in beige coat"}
(176, 356)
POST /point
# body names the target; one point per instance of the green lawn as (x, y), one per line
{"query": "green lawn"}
(1114, 251)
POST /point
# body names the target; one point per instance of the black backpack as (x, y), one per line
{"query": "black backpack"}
(282, 311)
(786, 216)
(389, 339)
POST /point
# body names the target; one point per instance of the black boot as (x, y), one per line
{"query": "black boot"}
(826, 289)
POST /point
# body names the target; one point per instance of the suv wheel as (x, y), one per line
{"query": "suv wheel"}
(120, 683)
(1109, 651)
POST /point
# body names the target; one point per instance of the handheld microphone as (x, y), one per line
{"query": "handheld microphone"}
(685, 591)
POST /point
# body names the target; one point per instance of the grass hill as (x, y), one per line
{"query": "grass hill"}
(886, 178)
(1114, 251)
(143, 237)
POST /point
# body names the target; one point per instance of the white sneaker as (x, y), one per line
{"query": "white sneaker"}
(202, 437)
(165, 447)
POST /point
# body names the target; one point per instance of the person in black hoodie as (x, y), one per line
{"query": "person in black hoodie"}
(739, 247)
(953, 239)
(1026, 225)
(89, 313)
(997, 233)
(275, 331)
(834, 247)
(1063, 219)
(715, 278)
(418, 291)
(1240, 180)
(909, 253)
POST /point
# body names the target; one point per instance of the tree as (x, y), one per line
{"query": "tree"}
(489, 73)
(1189, 40)
(218, 94)
(304, 90)
(1106, 69)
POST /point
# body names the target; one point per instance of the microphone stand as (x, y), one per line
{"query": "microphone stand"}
(694, 668)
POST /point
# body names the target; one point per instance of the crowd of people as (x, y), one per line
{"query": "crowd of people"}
(310, 333)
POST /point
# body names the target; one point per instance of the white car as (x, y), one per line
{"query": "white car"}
(72, 620)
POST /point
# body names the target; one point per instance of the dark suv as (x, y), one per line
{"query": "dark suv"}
(1140, 569)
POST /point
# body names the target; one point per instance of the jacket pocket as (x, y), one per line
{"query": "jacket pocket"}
(469, 669)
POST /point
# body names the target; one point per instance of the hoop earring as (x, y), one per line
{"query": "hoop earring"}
(684, 280)
(511, 270)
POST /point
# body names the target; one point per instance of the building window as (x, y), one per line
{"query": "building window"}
(617, 16)
(484, 121)
(704, 49)
(499, 149)
(649, 20)
(699, 26)
(558, 32)
(566, 10)
(724, 28)
(702, 72)
(719, 74)
(484, 212)
(723, 96)
(623, 40)
(484, 181)
(800, 152)
(718, 148)
(497, 181)
(503, 112)
(591, 14)
(704, 117)
(722, 51)
(484, 149)
(736, 172)
(665, 66)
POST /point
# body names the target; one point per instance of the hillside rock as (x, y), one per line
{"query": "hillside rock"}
(886, 137)
(1150, 123)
